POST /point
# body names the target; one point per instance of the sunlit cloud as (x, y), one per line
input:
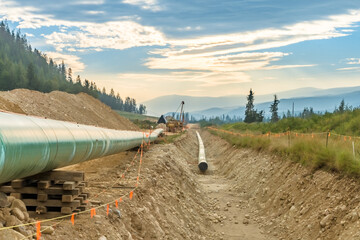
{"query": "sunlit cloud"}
(72, 61)
(89, 2)
(151, 5)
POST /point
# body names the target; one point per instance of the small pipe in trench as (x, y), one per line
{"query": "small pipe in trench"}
(203, 166)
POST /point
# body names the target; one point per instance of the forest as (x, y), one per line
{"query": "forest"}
(21, 66)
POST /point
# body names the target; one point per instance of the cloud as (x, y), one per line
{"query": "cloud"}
(353, 61)
(72, 61)
(89, 2)
(200, 78)
(189, 28)
(349, 69)
(95, 12)
(113, 35)
(79, 36)
(151, 5)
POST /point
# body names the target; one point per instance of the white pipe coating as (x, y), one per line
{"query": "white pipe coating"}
(203, 166)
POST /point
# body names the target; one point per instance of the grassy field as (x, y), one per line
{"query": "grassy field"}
(315, 148)
(347, 123)
(142, 121)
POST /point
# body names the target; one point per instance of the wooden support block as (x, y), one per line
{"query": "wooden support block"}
(7, 189)
(16, 195)
(69, 185)
(66, 210)
(43, 184)
(67, 198)
(84, 196)
(60, 175)
(50, 203)
(52, 190)
(42, 197)
(82, 207)
(18, 183)
(41, 210)
(46, 215)
(81, 199)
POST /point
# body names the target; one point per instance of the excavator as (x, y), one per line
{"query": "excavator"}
(174, 125)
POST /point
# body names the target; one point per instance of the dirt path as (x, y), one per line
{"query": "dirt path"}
(230, 220)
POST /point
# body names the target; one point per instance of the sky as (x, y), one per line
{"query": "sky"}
(150, 48)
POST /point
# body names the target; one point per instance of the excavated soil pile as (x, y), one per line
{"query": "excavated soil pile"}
(79, 108)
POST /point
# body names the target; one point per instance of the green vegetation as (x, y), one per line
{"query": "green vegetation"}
(142, 121)
(346, 123)
(23, 67)
(252, 115)
(309, 152)
(169, 138)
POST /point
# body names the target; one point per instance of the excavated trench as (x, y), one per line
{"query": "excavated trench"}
(243, 195)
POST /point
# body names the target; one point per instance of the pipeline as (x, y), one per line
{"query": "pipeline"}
(31, 145)
(203, 166)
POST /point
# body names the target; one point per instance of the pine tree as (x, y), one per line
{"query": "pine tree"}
(249, 111)
(70, 76)
(274, 109)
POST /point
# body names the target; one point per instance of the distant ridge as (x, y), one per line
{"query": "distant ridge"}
(319, 99)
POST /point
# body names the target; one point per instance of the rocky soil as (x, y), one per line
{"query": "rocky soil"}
(245, 194)
(79, 108)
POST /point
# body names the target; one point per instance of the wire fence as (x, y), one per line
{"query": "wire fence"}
(287, 139)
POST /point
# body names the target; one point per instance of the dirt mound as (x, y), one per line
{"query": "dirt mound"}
(287, 200)
(79, 108)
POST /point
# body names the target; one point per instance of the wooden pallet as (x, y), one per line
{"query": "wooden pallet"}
(50, 194)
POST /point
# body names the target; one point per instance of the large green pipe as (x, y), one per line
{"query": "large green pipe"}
(31, 145)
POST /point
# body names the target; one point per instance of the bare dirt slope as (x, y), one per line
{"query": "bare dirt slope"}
(79, 108)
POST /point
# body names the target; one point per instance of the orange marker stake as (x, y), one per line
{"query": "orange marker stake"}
(73, 219)
(107, 210)
(91, 213)
(345, 139)
(38, 232)
(120, 200)
(131, 195)
(116, 204)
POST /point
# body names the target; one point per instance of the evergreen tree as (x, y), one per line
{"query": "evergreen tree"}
(249, 111)
(70, 76)
(274, 109)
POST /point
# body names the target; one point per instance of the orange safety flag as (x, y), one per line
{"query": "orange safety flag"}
(38, 231)
(73, 219)
(123, 176)
(107, 210)
(350, 138)
(120, 199)
(116, 204)
(131, 195)
(312, 135)
(91, 213)
(344, 138)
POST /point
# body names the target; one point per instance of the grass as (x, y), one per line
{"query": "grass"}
(346, 123)
(169, 138)
(308, 151)
(142, 121)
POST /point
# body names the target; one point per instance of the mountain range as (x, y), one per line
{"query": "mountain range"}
(320, 100)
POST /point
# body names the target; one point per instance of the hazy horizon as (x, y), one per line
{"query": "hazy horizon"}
(150, 48)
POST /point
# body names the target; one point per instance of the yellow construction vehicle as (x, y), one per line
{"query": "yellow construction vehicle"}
(174, 125)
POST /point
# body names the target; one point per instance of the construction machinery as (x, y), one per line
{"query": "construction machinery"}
(176, 125)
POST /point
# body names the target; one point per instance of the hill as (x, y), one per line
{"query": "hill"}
(79, 108)
(233, 105)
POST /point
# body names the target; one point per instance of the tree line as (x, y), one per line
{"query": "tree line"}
(21, 66)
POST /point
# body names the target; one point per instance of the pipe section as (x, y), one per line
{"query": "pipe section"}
(31, 145)
(203, 166)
